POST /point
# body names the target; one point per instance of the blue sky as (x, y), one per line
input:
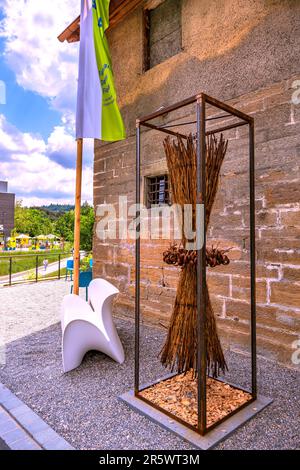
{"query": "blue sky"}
(40, 118)
(37, 146)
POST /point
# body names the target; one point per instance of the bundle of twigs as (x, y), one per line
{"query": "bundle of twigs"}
(180, 348)
(179, 256)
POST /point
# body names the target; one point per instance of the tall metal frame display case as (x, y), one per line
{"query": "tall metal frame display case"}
(202, 436)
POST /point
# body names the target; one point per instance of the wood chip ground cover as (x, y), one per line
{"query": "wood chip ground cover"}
(178, 395)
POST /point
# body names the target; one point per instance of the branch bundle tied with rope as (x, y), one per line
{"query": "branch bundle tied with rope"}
(180, 349)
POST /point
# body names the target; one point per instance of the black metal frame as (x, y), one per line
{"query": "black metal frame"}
(36, 268)
(201, 100)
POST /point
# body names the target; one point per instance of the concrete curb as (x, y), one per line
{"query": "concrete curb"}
(22, 429)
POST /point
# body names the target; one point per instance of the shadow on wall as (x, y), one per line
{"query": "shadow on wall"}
(262, 52)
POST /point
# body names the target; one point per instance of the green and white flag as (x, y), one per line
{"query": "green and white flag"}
(98, 115)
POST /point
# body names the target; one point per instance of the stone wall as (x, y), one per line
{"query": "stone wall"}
(244, 53)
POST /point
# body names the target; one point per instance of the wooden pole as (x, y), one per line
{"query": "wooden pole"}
(76, 254)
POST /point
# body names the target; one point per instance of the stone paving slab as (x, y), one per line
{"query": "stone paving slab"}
(13, 435)
(22, 429)
(27, 308)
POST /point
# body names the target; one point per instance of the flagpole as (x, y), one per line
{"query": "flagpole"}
(76, 255)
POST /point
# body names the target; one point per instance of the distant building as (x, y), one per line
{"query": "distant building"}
(7, 210)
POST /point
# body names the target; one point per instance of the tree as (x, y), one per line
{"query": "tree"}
(34, 222)
(37, 221)
(87, 227)
(64, 226)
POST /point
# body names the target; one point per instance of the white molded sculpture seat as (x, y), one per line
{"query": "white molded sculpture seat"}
(89, 326)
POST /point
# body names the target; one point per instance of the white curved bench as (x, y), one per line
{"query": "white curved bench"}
(89, 326)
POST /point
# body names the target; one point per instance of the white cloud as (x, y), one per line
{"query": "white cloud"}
(32, 174)
(11, 142)
(41, 171)
(41, 63)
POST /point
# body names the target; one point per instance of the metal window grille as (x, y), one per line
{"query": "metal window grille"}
(158, 191)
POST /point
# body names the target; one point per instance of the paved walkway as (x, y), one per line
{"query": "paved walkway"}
(22, 429)
(83, 407)
(23, 276)
(27, 308)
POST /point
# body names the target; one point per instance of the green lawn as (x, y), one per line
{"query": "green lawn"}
(23, 262)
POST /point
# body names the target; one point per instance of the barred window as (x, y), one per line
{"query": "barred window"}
(162, 32)
(157, 191)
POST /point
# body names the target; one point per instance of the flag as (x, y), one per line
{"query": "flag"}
(97, 115)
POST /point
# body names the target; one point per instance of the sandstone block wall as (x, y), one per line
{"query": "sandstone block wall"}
(246, 54)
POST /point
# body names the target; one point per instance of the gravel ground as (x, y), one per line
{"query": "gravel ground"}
(82, 405)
